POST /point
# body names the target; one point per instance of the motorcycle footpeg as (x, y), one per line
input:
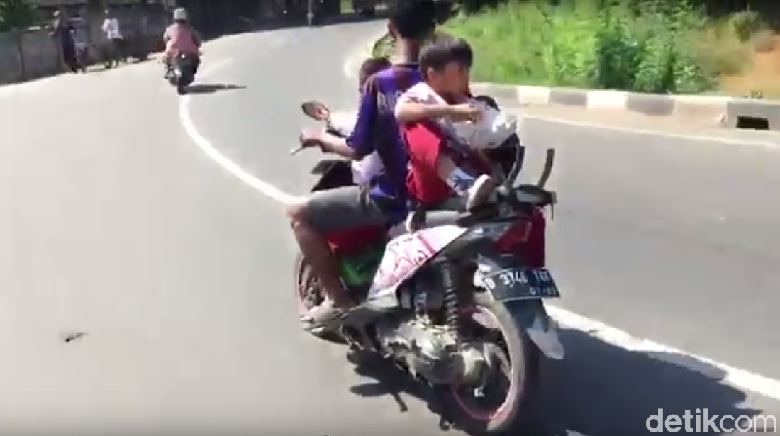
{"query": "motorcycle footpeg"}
(360, 315)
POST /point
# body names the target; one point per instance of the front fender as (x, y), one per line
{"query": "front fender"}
(334, 173)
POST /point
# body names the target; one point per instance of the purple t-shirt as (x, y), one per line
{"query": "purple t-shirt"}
(376, 129)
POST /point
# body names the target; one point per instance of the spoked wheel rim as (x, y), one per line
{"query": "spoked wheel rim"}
(490, 401)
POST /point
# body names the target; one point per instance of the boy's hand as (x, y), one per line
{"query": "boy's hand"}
(310, 139)
(464, 112)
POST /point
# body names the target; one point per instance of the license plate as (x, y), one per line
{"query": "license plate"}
(521, 283)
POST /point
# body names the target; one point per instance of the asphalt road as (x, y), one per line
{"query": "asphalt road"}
(179, 274)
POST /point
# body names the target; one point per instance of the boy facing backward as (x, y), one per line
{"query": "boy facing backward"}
(439, 164)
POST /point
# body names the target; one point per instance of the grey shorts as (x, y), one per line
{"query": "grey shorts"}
(340, 209)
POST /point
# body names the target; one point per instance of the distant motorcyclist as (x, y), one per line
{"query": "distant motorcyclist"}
(181, 38)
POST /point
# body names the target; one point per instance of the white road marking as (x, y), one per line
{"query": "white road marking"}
(229, 166)
(690, 137)
(736, 377)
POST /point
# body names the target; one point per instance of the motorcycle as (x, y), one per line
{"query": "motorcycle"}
(182, 72)
(449, 297)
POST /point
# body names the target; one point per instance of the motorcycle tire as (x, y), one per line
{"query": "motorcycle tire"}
(516, 412)
(302, 272)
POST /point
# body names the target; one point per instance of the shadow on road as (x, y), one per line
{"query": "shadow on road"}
(210, 88)
(600, 389)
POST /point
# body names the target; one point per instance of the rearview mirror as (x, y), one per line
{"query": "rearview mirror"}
(316, 110)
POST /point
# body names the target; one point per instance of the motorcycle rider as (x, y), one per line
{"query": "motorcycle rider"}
(181, 38)
(439, 164)
(365, 169)
(383, 200)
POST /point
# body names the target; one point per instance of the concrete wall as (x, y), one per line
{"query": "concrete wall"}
(10, 58)
(27, 55)
(33, 53)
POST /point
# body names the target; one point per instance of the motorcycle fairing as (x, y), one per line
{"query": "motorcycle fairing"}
(403, 256)
(358, 269)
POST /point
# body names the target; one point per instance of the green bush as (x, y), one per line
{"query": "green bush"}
(631, 45)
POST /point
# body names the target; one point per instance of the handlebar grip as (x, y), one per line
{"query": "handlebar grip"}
(531, 194)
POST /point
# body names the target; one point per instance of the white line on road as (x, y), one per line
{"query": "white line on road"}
(736, 377)
(689, 137)
(230, 166)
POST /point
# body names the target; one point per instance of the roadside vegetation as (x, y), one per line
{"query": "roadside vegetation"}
(643, 46)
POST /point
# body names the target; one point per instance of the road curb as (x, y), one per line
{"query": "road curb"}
(723, 111)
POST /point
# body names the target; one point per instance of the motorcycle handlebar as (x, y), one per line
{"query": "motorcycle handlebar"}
(514, 172)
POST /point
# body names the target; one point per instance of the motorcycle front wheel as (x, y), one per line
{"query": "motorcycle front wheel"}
(504, 404)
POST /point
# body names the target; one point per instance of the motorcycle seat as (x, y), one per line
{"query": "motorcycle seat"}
(419, 220)
(397, 230)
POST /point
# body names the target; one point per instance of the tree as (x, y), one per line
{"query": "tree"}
(15, 14)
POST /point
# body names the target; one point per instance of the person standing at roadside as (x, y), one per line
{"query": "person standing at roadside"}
(62, 31)
(113, 33)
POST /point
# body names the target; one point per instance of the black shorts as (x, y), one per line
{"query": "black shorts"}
(340, 209)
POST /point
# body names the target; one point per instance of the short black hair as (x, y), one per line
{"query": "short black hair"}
(444, 51)
(373, 65)
(414, 19)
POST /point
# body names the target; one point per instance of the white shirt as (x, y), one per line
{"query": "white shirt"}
(111, 28)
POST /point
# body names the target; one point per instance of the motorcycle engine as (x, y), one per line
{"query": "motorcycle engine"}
(431, 351)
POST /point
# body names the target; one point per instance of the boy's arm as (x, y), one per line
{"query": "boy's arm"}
(363, 137)
(360, 142)
(410, 110)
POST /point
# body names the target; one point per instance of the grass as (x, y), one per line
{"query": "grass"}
(645, 46)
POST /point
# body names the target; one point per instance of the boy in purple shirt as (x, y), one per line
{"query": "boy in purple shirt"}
(383, 200)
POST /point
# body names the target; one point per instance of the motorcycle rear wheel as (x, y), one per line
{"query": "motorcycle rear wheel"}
(515, 412)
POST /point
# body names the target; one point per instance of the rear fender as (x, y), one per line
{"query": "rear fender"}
(529, 314)
(531, 317)
(326, 165)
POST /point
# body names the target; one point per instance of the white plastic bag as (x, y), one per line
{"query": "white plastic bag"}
(491, 131)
